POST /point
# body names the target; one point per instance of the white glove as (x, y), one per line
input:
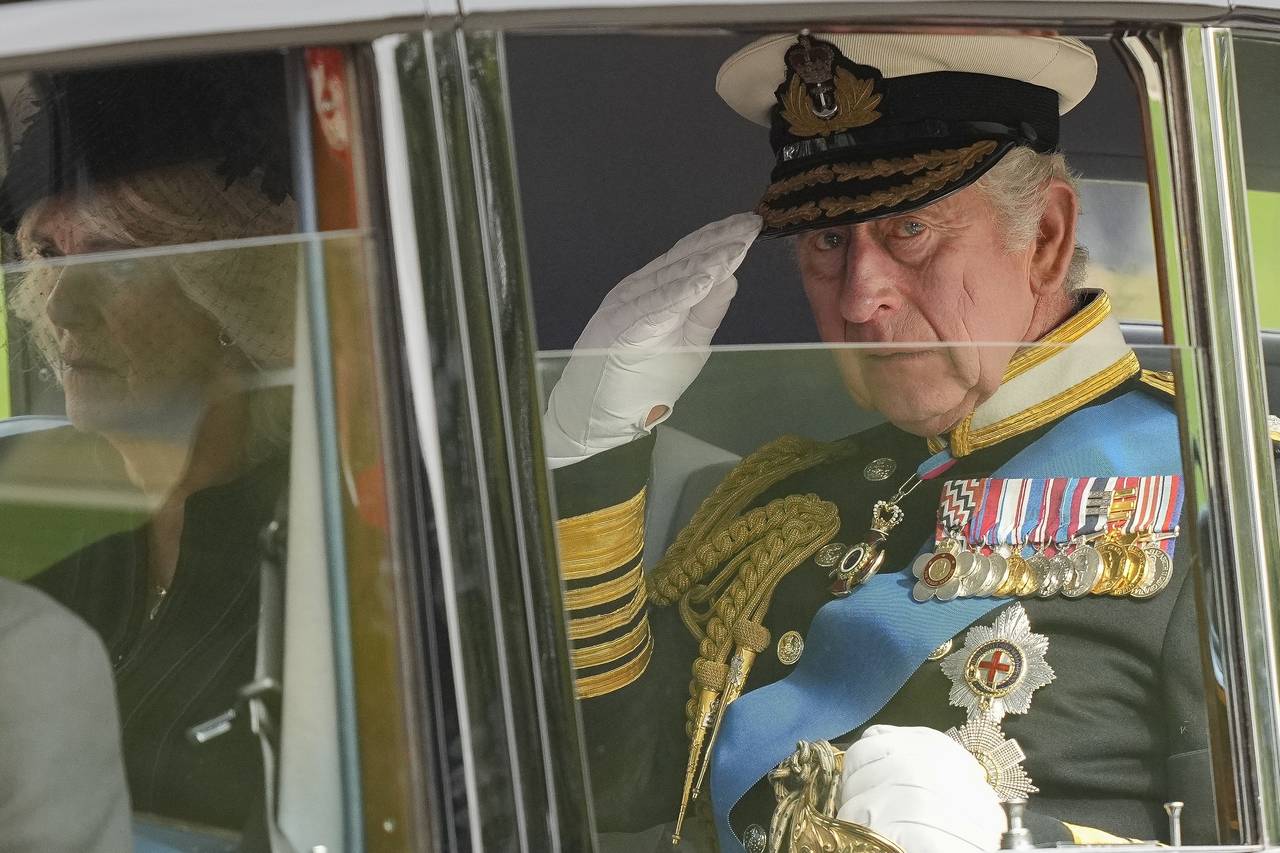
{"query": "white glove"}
(646, 343)
(921, 790)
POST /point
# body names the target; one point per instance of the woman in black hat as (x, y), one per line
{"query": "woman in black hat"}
(167, 357)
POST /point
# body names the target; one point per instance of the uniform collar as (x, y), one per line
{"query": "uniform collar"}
(1079, 361)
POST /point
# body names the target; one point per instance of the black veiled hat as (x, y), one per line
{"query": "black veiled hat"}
(869, 125)
(95, 126)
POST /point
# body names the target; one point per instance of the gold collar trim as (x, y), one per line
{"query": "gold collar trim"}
(1074, 364)
(965, 441)
(1070, 331)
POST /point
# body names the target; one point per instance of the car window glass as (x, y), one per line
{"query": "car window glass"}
(154, 254)
(748, 434)
(1256, 77)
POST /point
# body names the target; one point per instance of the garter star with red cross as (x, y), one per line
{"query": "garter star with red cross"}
(999, 667)
(994, 674)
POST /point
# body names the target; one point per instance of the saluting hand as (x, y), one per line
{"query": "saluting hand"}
(646, 343)
(921, 790)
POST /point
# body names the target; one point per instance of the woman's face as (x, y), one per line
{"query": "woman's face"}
(135, 355)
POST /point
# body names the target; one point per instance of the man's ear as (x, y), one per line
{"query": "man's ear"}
(1056, 237)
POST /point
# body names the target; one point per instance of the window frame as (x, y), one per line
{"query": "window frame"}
(384, 728)
(1188, 75)
(461, 301)
(1198, 189)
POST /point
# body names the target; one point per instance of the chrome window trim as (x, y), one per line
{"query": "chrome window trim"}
(563, 807)
(326, 437)
(466, 396)
(764, 15)
(56, 33)
(395, 59)
(1235, 385)
(1198, 191)
(1156, 75)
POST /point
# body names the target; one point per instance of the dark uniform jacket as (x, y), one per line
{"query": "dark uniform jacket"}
(1122, 729)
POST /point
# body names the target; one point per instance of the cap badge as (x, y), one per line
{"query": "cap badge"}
(822, 97)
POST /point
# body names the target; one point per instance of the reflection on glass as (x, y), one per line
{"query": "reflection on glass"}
(748, 501)
(1115, 223)
(150, 290)
(169, 367)
(900, 590)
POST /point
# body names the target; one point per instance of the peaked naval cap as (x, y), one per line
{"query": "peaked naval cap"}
(99, 125)
(853, 143)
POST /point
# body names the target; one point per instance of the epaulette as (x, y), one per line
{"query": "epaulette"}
(1161, 380)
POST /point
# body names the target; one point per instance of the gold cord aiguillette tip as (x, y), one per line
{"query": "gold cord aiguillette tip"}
(742, 660)
(706, 701)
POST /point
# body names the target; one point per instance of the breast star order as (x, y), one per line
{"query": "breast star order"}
(999, 667)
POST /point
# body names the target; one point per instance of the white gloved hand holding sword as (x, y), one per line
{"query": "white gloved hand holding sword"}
(920, 789)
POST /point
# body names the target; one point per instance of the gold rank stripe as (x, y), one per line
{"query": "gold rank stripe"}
(604, 593)
(964, 441)
(608, 682)
(594, 626)
(600, 541)
(1089, 835)
(598, 655)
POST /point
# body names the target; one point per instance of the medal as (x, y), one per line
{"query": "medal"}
(859, 563)
(995, 537)
(1061, 569)
(938, 573)
(1157, 572)
(973, 573)
(998, 668)
(1135, 563)
(1112, 554)
(864, 559)
(993, 574)
(1055, 575)
(1000, 758)
(1046, 582)
(1000, 571)
(995, 673)
(1086, 571)
(1030, 581)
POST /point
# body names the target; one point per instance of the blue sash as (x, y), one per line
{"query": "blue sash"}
(860, 650)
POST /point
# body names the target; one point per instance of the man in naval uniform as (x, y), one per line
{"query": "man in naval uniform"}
(978, 600)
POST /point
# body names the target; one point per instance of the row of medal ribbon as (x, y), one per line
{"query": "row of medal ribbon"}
(1043, 537)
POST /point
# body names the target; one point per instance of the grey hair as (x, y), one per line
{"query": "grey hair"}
(1016, 189)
